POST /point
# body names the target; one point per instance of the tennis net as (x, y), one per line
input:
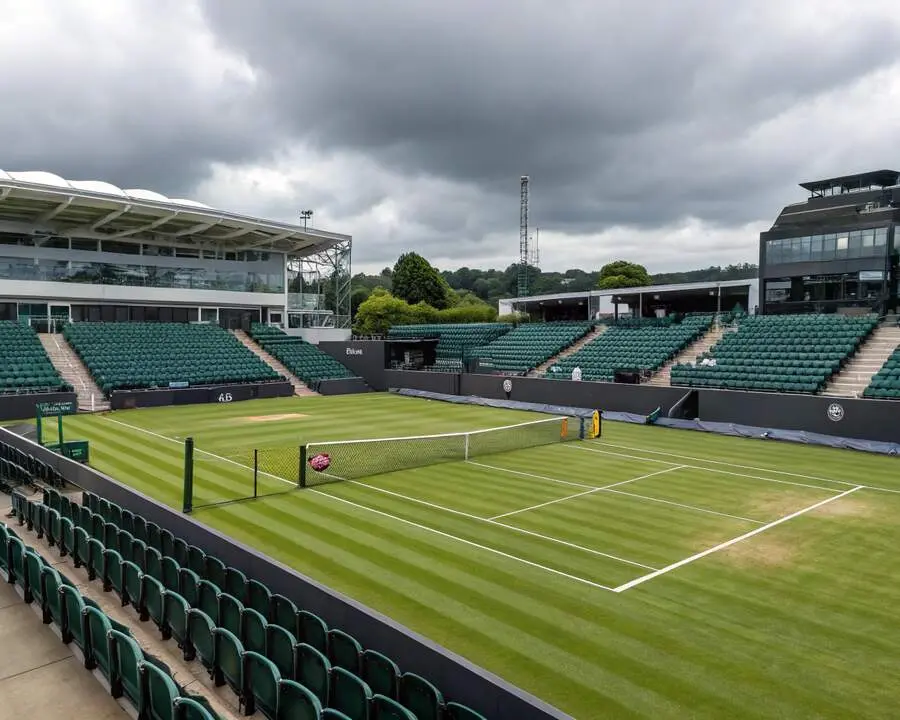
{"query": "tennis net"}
(350, 459)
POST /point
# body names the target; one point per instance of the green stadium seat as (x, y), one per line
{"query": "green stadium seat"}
(344, 651)
(171, 572)
(332, 714)
(33, 565)
(189, 709)
(385, 708)
(96, 631)
(312, 670)
(253, 631)
(113, 578)
(381, 673)
(280, 645)
(24, 364)
(215, 571)
(456, 343)
(80, 554)
(455, 711)
(126, 657)
(349, 694)
(201, 641)
(158, 693)
(312, 630)
(282, 611)
(530, 345)
(261, 679)
(421, 697)
(51, 582)
(296, 702)
(258, 597)
(230, 611)
(235, 583)
(132, 584)
(72, 628)
(152, 605)
(208, 599)
(228, 666)
(175, 611)
(188, 582)
(125, 545)
(196, 560)
(885, 384)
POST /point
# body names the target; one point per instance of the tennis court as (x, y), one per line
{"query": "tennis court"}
(647, 573)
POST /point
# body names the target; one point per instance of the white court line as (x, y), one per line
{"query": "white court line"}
(687, 507)
(531, 475)
(742, 467)
(463, 540)
(729, 543)
(492, 521)
(586, 492)
(409, 522)
(707, 469)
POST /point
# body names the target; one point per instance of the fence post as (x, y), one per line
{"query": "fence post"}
(188, 502)
(255, 471)
(301, 475)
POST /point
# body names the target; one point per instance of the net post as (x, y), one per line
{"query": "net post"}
(188, 502)
(466, 454)
(301, 471)
(255, 472)
(39, 421)
(59, 429)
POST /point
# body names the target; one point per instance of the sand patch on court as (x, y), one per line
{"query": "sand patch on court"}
(272, 418)
(760, 551)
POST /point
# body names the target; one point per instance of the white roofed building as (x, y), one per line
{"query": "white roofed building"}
(86, 250)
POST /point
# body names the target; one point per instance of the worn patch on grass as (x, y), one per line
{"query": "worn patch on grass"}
(761, 551)
(849, 506)
(272, 418)
(771, 507)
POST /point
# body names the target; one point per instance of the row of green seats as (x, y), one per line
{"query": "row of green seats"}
(886, 382)
(24, 364)
(301, 358)
(530, 345)
(455, 341)
(137, 355)
(106, 646)
(249, 638)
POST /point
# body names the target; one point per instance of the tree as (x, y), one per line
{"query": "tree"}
(415, 280)
(622, 274)
(380, 311)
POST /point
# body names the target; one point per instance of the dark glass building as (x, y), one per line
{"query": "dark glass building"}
(836, 252)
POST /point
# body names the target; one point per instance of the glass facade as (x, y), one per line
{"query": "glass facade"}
(831, 246)
(140, 275)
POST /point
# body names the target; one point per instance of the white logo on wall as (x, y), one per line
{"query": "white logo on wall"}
(354, 351)
(835, 412)
(225, 397)
(507, 385)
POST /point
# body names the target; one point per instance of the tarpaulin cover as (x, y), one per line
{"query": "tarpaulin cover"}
(488, 402)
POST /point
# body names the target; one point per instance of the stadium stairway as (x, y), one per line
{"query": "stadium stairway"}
(866, 362)
(663, 377)
(541, 369)
(189, 675)
(73, 371)
(300, 388)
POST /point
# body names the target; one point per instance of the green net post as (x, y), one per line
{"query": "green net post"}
(302, 470)
(255, 472)
(59, 429)
(39, 421)
(188, 475)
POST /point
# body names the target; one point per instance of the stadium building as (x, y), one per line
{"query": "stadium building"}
(837, 251)
(87, 251)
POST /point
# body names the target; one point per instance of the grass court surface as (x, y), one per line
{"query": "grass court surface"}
(651, 573)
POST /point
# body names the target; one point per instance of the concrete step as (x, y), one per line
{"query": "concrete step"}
(67, 363)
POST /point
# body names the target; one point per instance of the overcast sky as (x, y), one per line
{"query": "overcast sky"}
(661, 131)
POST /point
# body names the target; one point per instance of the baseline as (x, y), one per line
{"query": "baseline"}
(707, 469)
(728, 543)
(743, 467)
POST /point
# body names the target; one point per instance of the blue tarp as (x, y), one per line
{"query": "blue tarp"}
(732, 429)
(508, 404)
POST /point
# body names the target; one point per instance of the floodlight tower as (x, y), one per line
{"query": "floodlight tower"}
(522, 289)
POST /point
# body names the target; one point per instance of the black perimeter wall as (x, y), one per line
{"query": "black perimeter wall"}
(124, 399)
(22, 407)
(366, 358)
(861, 419)
(459, 679)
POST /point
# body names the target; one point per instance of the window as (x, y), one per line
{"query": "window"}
(120, 248)
(209, 315)
(157, 251)
(84, 245)
(187, 252)
(56, 243)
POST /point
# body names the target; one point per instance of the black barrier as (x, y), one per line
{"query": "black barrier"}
(22, 407)
(439, 382)
(638, 399)
(454, 675)
(366, 358)
(844, 417)
(124, 399)
(342, 386)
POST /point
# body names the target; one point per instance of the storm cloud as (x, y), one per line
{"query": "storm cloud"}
(668, 133)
